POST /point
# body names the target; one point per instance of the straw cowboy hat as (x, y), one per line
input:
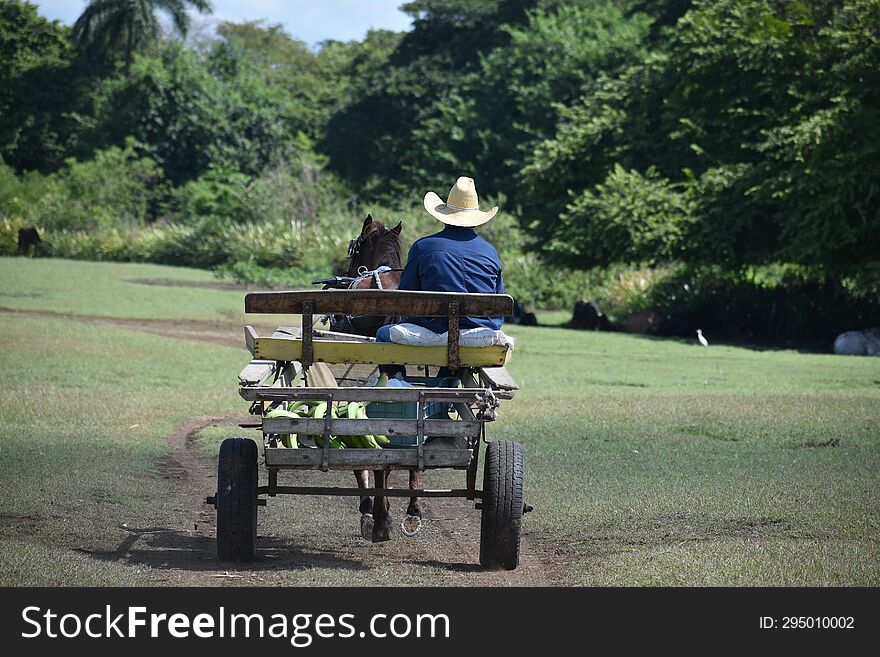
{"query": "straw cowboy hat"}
(462, 206)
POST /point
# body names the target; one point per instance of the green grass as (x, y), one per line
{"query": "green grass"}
(104, 289)
(662, 462)
(649, 462)
(85, 413)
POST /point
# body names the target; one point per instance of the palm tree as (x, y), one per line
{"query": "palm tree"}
(113, 25)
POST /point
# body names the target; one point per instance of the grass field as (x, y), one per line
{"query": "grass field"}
(649, 462)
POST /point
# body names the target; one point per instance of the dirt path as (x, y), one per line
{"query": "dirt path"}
(315, 540)
(225, 333)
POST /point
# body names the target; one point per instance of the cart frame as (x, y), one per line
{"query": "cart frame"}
(281, 365)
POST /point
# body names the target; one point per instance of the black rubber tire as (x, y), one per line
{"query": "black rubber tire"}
(503, 494)
(236, 500)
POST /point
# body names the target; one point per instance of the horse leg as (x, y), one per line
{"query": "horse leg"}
(381, 519)
(366, 505)
(412, 521)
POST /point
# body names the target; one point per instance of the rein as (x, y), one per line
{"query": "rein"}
(375, 274)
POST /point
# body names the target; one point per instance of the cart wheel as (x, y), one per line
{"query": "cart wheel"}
(502, 505)
(237, 500)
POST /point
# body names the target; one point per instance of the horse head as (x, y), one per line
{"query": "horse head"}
(376, 246)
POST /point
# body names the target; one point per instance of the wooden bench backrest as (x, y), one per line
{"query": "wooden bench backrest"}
(379, 303)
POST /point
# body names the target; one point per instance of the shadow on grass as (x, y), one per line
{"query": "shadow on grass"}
(800, 347)
(676, 529)
(451, 567)
(161, 548)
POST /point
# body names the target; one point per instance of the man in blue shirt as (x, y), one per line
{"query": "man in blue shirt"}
(454, 260)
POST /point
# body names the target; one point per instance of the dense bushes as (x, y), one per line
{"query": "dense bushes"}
(775, 305)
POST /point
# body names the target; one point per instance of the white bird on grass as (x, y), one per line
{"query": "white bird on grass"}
(703, 341)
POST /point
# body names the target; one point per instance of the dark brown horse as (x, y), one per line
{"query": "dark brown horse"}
(375, 262)
(377, 246)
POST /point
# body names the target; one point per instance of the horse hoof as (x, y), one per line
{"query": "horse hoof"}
(382, 531)
(367, 526)
(410, 525)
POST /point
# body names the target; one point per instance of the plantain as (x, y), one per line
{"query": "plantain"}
(320, 410)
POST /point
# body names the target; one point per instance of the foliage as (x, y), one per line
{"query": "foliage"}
(41, 86)
(107, 27)
(20, 193)
(798, 307)
(715, 137)
(377, 140)
(494, 117)
(115, 188)
(630, 217)
(754, 108)
(285, 64)
(189, 111)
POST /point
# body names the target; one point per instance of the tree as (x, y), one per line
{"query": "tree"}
(190, 111)
(287, 64)
(375, 141)
(110, 26)
(748, 120)
(40, 89)
(512, 103)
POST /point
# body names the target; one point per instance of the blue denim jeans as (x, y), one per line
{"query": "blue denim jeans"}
(383, 334)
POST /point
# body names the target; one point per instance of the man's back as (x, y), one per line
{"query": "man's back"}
(454, 260)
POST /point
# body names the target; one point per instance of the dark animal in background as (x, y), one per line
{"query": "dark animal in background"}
(521, 316)
(644, 321)
(28, 240)
(588, 316)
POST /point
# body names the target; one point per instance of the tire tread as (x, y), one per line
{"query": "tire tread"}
(501, 526)
(236, 500)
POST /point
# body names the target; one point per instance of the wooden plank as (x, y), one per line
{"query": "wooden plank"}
(377, 353)
(342, 337)
(376, 426)
(380, 303)
(257, 372)
(365, 459)
(291, 374)
(294, 332)
(361, 492)
(361, 394)
(250, 337)
(499, 378)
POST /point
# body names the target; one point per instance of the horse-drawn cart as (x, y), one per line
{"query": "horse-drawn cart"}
(292, 366)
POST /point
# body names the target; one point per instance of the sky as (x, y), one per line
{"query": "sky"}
(311, 21)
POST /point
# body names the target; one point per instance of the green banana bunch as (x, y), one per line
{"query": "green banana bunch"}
(358, 411)
(287, 439)
(318, 410)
